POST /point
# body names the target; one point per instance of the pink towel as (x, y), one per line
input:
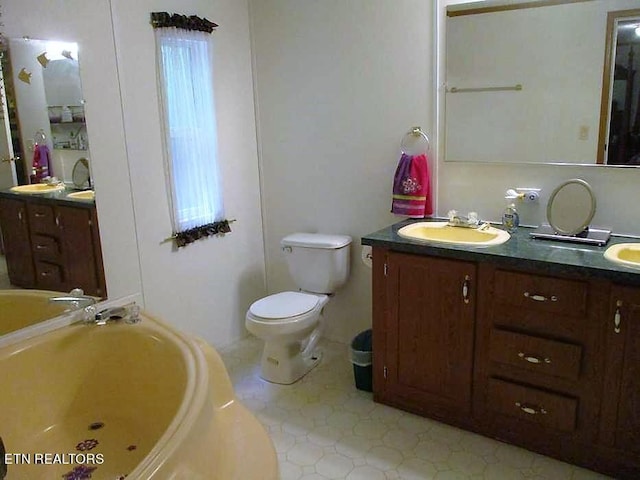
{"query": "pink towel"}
(411, 187)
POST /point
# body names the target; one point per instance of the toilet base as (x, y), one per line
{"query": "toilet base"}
(286, 363)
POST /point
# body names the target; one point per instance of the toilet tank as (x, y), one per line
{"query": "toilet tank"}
(318, 263)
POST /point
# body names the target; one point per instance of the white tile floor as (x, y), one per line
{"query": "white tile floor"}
(324, 428)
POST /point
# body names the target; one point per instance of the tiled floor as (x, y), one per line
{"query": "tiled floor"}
(323, 427)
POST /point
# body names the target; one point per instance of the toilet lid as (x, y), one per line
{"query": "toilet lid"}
(283, 305)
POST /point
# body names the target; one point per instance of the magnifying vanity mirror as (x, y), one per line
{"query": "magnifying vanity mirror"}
(50, 242)
(570, 209)
(544, 82)
(80, 176)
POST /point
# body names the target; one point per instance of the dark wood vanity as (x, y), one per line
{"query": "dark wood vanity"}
(532, 344)
(52, 242)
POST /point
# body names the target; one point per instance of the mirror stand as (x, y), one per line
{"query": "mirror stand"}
(591, 236)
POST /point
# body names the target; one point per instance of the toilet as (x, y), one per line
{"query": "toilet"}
(290, 323)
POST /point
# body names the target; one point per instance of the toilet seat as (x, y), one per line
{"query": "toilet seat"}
(283, 306)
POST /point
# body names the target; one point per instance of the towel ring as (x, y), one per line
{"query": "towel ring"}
(414, 142)
(39, 137)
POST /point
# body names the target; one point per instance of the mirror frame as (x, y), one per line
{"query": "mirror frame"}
(607, 75)
(584, 223)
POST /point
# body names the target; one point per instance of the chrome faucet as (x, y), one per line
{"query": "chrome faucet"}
(75, 300)
(470, 221)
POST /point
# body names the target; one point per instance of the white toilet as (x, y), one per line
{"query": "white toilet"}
(290, 322)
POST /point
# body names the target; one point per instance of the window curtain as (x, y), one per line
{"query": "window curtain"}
(185, 78)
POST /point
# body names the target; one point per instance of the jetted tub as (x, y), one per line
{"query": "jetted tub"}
(23, 308)
(140, 401)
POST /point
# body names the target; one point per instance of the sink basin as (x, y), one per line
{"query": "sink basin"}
(624, 254)
(37, 188)
(84, 195)
(441, 232)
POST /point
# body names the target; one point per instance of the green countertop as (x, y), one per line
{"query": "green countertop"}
(520, 251)
(61, 197)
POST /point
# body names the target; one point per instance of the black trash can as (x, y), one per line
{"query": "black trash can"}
(361, 348)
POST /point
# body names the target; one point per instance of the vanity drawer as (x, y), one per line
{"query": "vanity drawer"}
(45, 246)
(536, 354)
(547, 409)
(48, 275)
(540, 293)
(41, 218)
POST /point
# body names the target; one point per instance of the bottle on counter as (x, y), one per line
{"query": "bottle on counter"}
(510, 218)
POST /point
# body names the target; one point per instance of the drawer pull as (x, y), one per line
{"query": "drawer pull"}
(533, 358)
(540, 298)
(45, 274)
(531, 409)
(41, 247)
(39, 215)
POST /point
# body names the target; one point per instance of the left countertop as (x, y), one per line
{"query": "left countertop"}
(61, 197)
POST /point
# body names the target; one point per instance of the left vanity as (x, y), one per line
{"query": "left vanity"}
(533, 342)
(52, 242)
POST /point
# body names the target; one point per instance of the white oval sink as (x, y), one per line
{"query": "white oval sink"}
(37, 188)
(442, 232)
(627, 254)
(84, 195)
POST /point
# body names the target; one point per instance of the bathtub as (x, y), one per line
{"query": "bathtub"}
(140, 401)
(23, 308)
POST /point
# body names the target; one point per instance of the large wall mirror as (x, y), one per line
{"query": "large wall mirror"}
(543, 82)
(42, 104)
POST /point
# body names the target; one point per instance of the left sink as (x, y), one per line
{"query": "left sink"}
(37, 188)
(442, 232)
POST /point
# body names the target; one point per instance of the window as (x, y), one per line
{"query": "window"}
(185, 78)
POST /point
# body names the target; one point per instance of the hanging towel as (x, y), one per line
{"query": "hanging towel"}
(41, 162)
(411, 187)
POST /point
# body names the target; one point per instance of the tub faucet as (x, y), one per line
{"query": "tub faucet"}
(76, 299)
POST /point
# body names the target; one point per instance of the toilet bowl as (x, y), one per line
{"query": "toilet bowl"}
(290, 323)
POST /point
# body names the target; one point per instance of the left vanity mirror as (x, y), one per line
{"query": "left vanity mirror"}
(50, 238)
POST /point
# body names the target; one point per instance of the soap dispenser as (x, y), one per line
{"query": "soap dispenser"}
(510, 217)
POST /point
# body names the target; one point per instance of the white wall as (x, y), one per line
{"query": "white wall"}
(481, 187)
(88, 24)
(337, 84)
(206, 287)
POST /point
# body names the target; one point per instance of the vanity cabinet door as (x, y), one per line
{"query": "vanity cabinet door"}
(428, 339)
(620, 422)
(17, 246)
(79, 239)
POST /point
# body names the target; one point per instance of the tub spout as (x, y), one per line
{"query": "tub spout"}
(128, 313)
